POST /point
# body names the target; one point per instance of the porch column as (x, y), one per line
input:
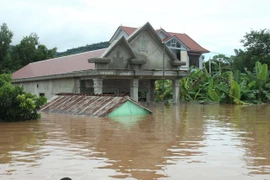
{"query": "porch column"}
(151, 91)
(77, 86)
(98, 84)
(134, 84)
(175, 88)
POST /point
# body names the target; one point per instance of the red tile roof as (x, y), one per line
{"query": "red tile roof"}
(61, 65)
(188, 41)
(128, 30)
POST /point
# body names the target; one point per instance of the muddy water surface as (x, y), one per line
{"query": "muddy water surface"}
(192, 141)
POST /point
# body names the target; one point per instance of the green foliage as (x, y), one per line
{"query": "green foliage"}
(219, 63)
(195, 86)
(5, 78)
(15, 104)
(30, 50)
(5, 40)
(231, 87)
(167, 90)
(212, 92)
(235, 93)
(82, 49)
(257, 48)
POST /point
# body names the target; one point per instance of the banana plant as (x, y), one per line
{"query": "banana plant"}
(212, 92)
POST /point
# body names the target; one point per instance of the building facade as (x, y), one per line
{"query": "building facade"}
(135, 59)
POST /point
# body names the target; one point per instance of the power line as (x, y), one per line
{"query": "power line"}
(220, 53)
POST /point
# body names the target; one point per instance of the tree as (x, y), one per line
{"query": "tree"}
(257, 48)
(219, 62)
(30, 50)
(15, 104)
(5, 40)
(85, 48)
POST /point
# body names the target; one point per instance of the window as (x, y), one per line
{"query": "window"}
(173, 43)
(178, 55)
(143, 44)
(41, 94)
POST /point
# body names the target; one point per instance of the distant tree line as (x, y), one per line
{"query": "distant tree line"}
(256, 48)
(85, 48)
(14, 57)
(28, 50)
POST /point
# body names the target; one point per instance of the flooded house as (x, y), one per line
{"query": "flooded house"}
(135, 59)
(94, 105)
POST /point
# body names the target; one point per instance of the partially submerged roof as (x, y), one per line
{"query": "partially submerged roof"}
(94, 105)
(61, 65)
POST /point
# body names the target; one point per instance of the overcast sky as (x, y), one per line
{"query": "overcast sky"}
(217, 25)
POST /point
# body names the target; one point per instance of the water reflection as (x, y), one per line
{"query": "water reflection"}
(187, 141)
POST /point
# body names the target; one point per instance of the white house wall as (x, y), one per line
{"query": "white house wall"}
(184, 58)
(49, 87)
(201, 62)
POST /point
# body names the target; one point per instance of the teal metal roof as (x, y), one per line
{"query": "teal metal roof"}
(94, 105)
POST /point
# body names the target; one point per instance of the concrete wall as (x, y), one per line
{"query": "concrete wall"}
(153, 54)
(115, 86)
(49, 87)
(119, 57)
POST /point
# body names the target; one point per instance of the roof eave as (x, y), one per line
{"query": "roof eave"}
(116, 32)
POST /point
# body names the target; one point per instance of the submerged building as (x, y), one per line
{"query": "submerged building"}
(94, 105)
(135, 59)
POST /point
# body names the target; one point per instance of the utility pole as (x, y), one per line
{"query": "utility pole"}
(219, 67)
(163, 82)
(210, 67)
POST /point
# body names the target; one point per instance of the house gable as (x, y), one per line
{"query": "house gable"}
(148, 46)
(129, 108)
(117, 56)
(119, 53)
(122, 31)
(174, 42)
(162, 34)
(118, 34)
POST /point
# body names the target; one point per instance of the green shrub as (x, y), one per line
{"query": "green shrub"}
(15, 104)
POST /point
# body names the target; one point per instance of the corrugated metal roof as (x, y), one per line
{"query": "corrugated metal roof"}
(61, 65)
(83, 104)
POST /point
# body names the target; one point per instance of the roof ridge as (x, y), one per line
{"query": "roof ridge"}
(129, 27)
(176, 33)
(123, 28)
(66, 56)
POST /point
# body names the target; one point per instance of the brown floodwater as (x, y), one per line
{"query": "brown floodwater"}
(187, 141)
